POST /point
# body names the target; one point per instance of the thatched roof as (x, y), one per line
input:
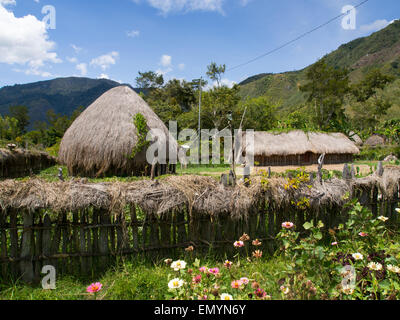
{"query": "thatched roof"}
(22, 162)
(375, 140)
(297, 142)
(102, 138)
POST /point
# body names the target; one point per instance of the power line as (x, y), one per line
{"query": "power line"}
(294, 40)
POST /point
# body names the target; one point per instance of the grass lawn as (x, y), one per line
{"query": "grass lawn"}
(135, 281)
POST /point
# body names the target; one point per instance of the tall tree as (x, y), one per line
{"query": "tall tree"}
(327, 88)
(370, 105)
(215, 72)
(260, 114)
(21, 113)
(149, 80)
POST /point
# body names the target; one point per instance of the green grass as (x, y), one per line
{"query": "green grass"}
(136, 280)
(51, 174)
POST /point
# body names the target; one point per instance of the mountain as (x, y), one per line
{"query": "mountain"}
(379, 50)
(63, 95)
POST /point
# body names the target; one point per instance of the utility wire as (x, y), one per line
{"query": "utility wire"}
(296, 39)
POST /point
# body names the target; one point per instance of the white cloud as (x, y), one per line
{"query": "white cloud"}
(25, 41)
(72, 60)
(375, 26)
(76, 48)
(133, 33)
(224, 82)
(105, 61)
(163, 72)
(181, 66)
(166, 65)
(167, 6)
(166, 61)
(35, 72)
(82, 67)
(103, 76)
(7, 2)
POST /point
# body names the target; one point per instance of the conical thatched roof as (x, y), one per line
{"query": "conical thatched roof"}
(101, 139)
(375, 140)
(298, 142)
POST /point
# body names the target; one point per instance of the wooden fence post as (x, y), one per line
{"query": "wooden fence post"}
(103, 239)
(26, 264)
(3, 242)
(46, 238)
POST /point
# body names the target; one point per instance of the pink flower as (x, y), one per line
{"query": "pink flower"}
(213, 271)
(260, 293)
(363, 234)
(203, 269)
(334, 243)
(197, 279)
(287, 225)
(238, 244)
(94, 287)
(228, 264)
(245, 280)
(236, 284)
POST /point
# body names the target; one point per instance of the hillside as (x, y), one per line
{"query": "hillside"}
(63, 95)
(381, 49)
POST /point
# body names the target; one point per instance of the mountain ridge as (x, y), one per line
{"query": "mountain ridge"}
(63, 95)
(380, 49)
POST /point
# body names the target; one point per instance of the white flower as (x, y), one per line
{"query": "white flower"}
(383, 219)
(175, 283)
(398, 210)
(358, 256)
(375, 266)
(178, 265)
(226, 296)
(393, 269)
(285, 290)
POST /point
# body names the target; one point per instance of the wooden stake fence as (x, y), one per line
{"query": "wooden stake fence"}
(89, 240)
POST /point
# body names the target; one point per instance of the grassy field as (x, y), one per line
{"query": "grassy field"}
(134, 281)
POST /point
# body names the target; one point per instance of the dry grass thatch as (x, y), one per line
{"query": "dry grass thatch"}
(102, 138)
(375, 140)
(298, 142)
(21, 162)
(199, 195)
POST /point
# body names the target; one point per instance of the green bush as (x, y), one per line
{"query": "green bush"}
(377, 153)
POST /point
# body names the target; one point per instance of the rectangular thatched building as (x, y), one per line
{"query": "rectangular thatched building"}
(297, 148)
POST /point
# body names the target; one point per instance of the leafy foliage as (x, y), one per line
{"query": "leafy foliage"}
(142, 130)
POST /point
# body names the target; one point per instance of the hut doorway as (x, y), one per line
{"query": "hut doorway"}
(308, 156)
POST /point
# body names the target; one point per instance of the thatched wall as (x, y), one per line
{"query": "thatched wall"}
(81, 227)
(20, 162)
(306, 159)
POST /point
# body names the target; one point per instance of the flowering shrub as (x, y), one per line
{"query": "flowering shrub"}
(359, 259)
(361, 262)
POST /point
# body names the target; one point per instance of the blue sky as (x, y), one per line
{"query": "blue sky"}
(117, 38)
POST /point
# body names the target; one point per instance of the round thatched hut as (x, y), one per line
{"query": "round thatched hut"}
(376, 140)
(101, 140)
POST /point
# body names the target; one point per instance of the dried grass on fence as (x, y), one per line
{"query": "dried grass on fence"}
(202, 195)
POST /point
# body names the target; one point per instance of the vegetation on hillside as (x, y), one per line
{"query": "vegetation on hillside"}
(379, 50)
